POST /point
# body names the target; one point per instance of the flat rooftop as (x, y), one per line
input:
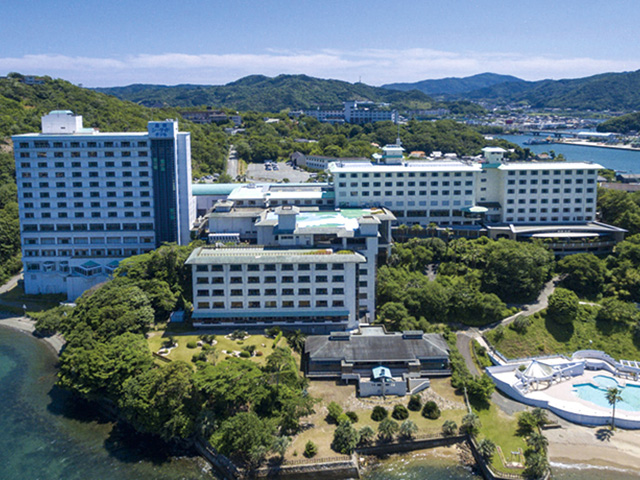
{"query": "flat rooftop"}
(343, 219)
(550, 166)
(410, 166)
(262, 255)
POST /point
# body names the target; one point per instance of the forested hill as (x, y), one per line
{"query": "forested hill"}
(454, 85)
(22, 105)
(607, 91)
(266, 94)
(622, 124)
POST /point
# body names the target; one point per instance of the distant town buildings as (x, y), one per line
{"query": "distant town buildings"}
(211, 116)
(354, 112)
(89, 199)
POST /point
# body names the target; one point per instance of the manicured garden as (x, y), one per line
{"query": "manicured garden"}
(189, 344)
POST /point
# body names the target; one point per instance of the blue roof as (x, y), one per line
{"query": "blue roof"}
(381, 372)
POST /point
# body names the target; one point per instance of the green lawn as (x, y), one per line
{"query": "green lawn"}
(181, 352)
(501, 428)
(543, 337)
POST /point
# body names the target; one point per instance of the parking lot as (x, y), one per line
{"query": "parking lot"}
(258, 172)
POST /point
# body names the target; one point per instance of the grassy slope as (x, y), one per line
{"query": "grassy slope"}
(544, 337)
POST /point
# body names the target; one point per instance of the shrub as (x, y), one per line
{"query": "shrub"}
(259, 353)
(192, 344)
(449, 427)
(353, 416)
(272, 331)
(400, 412)
(415, 403)
(238, 335)
(521, 323)
(310, 449)
(431, 410)
(345, 438)
(208, 339)
(379, 413)
(335, 411)
(344, 418)
(249, 348)
(199, 357)
(245, 354)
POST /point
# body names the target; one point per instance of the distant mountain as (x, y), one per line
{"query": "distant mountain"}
(607, 91)
(257, 92)
(454, 85)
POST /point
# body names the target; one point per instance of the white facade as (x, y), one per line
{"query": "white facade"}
(425, 192)
(87, 200)
(258, 287)
(543, 193)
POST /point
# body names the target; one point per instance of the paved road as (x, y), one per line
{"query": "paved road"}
(11, 283)
(463, 342)
(529, 309)
(232, 163)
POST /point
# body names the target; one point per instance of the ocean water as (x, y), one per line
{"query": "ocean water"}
(620, 160)
(47, 435)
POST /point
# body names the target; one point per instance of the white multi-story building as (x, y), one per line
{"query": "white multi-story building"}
(259, 287)
(365, 231)
(89, 199)
(444, 191)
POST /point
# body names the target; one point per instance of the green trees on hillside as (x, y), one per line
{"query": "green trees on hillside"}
(469, 272)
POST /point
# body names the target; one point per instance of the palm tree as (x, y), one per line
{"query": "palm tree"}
(486, 448)
(538, 442)
(366, 434)
(387, 429)
(540, 416)
(614, 395)
(408, 429)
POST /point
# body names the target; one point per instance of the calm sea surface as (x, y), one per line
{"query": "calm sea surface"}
(46, 435)
(621, 160)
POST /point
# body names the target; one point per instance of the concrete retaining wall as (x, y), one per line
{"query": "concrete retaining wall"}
(410, 445)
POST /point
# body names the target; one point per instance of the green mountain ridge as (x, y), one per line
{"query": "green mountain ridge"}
(605, 91)
(454, 85)
(266, 94)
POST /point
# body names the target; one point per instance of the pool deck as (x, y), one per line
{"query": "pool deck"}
(564, 402)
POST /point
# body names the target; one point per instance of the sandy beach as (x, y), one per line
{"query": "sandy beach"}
(24, 324)
(575, 445)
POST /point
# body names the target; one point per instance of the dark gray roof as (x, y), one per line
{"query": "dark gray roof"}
(376, 346)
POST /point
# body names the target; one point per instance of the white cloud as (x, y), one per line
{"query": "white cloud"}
(374, 66)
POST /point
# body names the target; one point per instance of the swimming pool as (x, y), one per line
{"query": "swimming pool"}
(596, 393)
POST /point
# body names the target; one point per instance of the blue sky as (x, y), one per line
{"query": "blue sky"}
(117, 42)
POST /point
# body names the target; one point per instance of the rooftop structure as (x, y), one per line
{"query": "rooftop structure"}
(403, 361)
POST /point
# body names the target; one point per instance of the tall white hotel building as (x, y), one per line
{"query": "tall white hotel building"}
(89, 199)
